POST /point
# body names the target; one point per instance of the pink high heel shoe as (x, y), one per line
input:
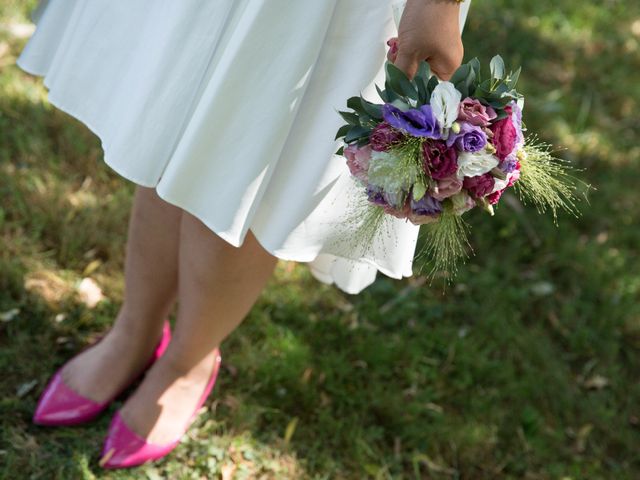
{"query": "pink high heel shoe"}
(124, 448)
(59, 405)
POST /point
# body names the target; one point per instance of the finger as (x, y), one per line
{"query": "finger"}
(407, 63)
(444, 65)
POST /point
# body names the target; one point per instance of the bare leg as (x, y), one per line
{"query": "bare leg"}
(151, 277)
(218, 286)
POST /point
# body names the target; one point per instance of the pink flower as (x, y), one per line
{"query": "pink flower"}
(474, 112)
(392, 54)
(480, 185)
(384, 136)
(514, 176)
(358, 161)
(447, 187)
(504, 137)
(439, 160)
(495, 196)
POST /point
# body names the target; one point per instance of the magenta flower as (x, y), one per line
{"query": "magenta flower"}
(495, 196)
(504, 137)
(439, 161)
(480, 185)
(384, 136)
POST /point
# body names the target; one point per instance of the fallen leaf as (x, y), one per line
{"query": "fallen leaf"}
(92, 267)
(581, 438)
(89, 292)
(9, 315)
(25, 388)
(290, 430)
(597, 382)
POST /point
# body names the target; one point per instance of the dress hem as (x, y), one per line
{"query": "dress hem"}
(321, 276)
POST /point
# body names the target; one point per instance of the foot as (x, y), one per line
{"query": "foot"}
(164, 402)
(103, 370)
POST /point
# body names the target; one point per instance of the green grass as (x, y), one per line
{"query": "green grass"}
(526, 368)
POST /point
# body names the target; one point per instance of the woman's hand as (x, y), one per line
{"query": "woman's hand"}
(430, 30)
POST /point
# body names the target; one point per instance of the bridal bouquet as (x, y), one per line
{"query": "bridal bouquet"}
(434, 150)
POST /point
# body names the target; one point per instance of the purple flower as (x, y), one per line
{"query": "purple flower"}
(480, 185)
(510, 163)
(376, 195)
(419, 122)
(516, 117)
(470, 138)
(383, 137)
(427, 205)
(439, 161)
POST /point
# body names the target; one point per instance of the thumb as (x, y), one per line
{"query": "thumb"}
(407, 63)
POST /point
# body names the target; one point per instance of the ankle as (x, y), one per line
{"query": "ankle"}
(184, 364)
(137, 330)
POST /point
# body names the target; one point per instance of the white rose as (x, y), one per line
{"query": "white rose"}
(445, 101)
(476, 163)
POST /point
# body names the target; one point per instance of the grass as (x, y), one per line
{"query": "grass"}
(526, 368)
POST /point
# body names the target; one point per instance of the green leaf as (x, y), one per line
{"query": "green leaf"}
(513, 78)
(475, 66)
(401, 104)
(340, 151)
(422, 80)
(419, 190)
(342, 131)
(350, 117)
(383, 94)
(372, 109)
(355, 133)
(497, 67)
(460, 75)
(355, 104)
(424, 71)
(399, 82)
(431, 86)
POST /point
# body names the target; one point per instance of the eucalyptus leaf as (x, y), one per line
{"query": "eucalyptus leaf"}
(399, 82)
(514, 77)
(475, 66)
(350, 117)
(373, 110)
(431, 86)
(460, 74)
(383, 94)
(355, 133)
(355, 104)
(497, 67)
(342, 131)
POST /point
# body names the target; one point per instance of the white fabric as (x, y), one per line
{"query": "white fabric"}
(228, 108)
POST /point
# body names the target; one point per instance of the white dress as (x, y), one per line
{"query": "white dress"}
(228, 108)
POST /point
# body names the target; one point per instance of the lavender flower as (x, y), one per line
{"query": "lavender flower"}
(420, 122)
(427, 205)
(470, 138)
